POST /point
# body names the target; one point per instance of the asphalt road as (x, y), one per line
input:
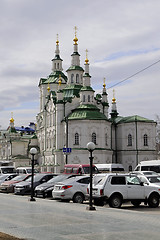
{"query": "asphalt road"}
(52, 220)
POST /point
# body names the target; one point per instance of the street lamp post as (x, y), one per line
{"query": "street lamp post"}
(33, 152)
(91, 147)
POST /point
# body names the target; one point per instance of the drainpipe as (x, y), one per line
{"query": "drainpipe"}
(136, 144)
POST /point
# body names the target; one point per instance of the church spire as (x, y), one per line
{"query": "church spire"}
(57, 61)
(75, 55)
(86, 76)
(114, 112)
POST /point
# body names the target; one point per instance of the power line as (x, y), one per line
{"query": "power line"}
(134, 74)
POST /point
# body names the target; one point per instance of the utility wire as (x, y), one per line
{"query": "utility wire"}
(134, 74)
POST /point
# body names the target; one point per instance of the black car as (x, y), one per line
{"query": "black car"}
(24, 187)
(45, 189)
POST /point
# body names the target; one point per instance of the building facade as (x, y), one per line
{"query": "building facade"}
(15, 144)
(71, 115)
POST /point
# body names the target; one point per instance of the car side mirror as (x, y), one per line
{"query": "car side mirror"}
(142, 183)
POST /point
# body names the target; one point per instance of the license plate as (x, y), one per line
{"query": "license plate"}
(94, 191)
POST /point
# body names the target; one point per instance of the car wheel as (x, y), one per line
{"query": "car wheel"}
(115, 201)
(136, 203)
(98, 202)
(153, 201)
(78, 198)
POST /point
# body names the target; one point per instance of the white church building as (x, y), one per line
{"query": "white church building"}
(71, 115)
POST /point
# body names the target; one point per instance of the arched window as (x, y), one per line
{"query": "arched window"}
(77, 78)
(88, 98)
(76, 139)
(57, 65)
(145, 138)
(94, 138)
(129, 140)
(72, 78)
(83, 98)
(106, 139)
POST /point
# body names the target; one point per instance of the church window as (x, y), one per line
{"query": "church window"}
(145, 138)
(77, 78)
(83, 98)
(88, 98)
(106, 139)
(57, 65)
(129, 140)
(72, 78)
(94, 138)
(76, 138)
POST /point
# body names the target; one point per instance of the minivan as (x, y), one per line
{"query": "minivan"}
(150, 165)
(7, 169)
(110, 167)
(79, 169)
(26, 170)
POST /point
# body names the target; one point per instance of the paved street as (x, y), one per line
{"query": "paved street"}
(52, 220)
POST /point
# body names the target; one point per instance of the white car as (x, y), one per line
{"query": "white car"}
(73, 189)
(118, 188)
(153, 179)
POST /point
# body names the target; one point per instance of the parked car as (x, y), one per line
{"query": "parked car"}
(144, 173)
(26, 170)
(24, 187)
(8, 186)
(6, 177)
(45, 189)
(73, 189)
(118, 188)
(79, 169)
(155, 179)
(7, 169)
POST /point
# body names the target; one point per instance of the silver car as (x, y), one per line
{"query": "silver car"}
(73, 189)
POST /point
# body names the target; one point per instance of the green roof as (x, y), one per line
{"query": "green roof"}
(88, 111)
(53, 78)
(87, 88)
(70, 91)
(75, 68)
(129, 119)
(57, 57)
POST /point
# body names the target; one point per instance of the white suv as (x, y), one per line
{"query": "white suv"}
(119, 188)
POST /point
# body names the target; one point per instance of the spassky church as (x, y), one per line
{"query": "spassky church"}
(71, 115)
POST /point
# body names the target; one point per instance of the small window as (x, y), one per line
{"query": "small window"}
(75, 170)
(94, 138)
(88, 98)
(129, 140)
(145, 137)
(77, 78)
(72, 78)
(106, 139)
(83, 98)
(76, 139)
(118, 181)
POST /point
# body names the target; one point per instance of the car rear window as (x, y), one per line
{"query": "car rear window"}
(118, 181)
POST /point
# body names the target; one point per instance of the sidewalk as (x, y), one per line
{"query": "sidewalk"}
(52, 220)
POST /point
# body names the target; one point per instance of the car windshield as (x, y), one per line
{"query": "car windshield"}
(99, 180)
(143, 179)
(19, 177)
(57, 178)
(154, 179)
(3, 177)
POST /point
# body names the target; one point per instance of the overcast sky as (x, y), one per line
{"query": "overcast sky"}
(122, 37)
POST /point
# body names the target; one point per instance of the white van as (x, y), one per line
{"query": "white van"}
(110, 167)
(7, 169)
(150, 165)
(25, 170)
